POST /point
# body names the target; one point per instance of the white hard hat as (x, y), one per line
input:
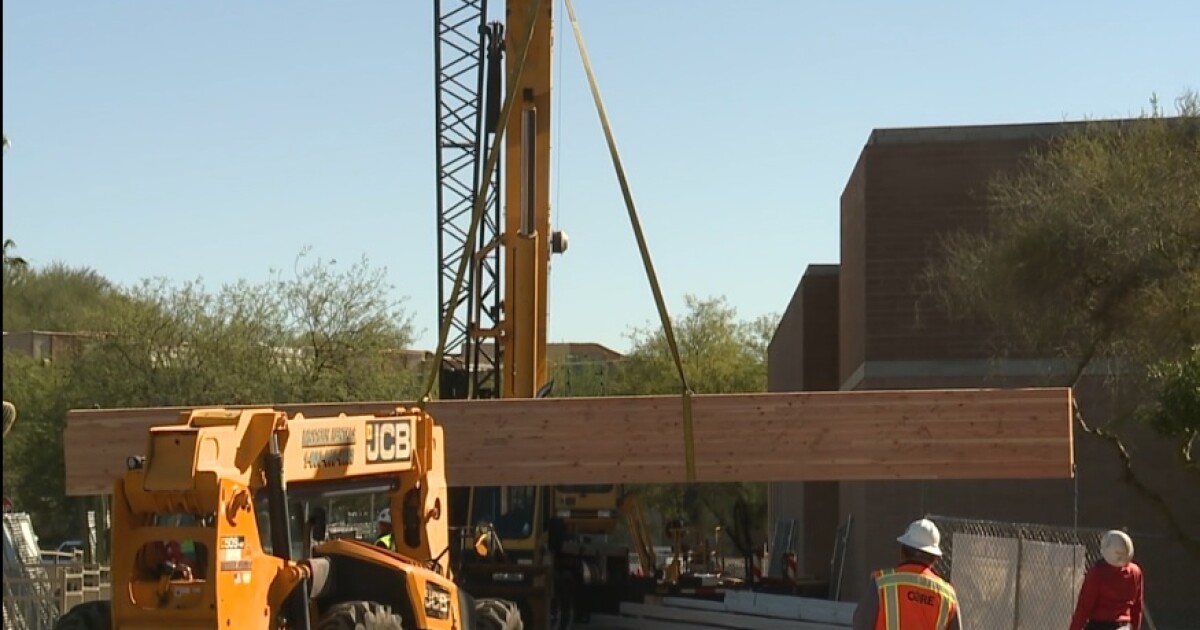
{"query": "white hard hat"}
(922, 535)
(1117, 548)
(385, 516)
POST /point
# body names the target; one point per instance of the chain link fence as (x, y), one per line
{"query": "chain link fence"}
(1015, 576)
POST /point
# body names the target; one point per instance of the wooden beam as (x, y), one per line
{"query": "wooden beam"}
(859, 435)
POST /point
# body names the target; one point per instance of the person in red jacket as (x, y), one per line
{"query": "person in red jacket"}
(1111, 597)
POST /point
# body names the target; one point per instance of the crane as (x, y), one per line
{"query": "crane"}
(496, 338)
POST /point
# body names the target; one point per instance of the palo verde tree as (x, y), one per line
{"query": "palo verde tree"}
(1093, 254)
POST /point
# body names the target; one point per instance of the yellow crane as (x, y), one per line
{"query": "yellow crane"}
(556, 560)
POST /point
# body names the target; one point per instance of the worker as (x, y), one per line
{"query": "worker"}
(1111, 597)
(384, 530)
(910, 596)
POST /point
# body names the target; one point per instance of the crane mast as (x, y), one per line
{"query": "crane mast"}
(467, 53)
(527, 238)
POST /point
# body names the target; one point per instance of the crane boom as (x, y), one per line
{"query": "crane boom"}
(527, 207)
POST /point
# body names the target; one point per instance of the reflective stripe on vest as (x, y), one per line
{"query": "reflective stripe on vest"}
(889, 582)
(385, 541)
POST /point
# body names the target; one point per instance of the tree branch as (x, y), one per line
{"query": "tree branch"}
(1190, 544)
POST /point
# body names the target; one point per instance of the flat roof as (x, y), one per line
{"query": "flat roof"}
(967, 133)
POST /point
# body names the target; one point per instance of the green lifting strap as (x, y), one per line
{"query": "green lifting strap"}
(688, 444)
(480, 199)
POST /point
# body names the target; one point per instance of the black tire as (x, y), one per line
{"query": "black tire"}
(497, 614)
(87, 616)
(360, 616)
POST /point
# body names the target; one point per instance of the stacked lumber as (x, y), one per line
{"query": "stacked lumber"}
(798, 436)
(743, 610)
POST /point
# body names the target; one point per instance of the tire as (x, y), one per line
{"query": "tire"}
(497, 614)
(360, 616)
(87, 616)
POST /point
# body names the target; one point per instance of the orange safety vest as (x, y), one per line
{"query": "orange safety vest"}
(913, 597)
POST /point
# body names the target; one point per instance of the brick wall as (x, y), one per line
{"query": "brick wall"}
(803, 356)
(908, 187)
(852, 272)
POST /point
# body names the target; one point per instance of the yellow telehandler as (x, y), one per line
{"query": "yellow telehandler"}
(219, 525)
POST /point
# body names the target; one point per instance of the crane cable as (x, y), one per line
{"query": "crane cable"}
(480, 202)
(668, 332)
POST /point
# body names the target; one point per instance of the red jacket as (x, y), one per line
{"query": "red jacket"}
(1110, 594)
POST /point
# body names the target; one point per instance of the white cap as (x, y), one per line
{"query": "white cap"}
(385, 516)
(922, 535)
(1116, 547)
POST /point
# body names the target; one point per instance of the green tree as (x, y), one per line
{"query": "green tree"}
(721, 353)
(321, 334)
(56, 298)
(1093, 254)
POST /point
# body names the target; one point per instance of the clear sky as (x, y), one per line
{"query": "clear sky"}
(215, 140)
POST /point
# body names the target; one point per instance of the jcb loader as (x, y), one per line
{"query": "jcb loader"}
(212, 528)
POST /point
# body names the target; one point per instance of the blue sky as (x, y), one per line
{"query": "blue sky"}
(215, 140)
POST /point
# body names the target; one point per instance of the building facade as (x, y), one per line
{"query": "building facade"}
(865, 323)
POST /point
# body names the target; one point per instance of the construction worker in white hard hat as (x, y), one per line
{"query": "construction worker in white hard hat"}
(384, 529)
(910, 596)
(1111, 597)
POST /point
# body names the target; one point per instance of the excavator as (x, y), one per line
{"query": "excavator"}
(555, 557)
(220, 525)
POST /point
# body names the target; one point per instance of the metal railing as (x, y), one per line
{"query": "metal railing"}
(36, 600)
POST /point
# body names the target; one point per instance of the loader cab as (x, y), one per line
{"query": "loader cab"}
(588, 509)
(515, 512)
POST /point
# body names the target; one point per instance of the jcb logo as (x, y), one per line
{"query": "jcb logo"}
(389, 441)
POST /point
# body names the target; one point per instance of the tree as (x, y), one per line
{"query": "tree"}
(1093, 253)
(721, 354)
(323, 334)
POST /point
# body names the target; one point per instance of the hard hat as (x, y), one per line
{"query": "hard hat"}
(1116, 547)
(922, 535)
(385, 516)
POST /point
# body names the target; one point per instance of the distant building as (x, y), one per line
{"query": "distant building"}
(48, 346)
(862, 324)
(562, 353)
(575, 352)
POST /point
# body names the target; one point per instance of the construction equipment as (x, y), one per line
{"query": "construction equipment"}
(217, 526)
(557, 562)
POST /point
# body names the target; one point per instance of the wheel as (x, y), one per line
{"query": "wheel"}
(87, 616)
(497, 614)
(360, 616)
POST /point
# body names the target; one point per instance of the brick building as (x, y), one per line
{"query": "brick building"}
(863, 324)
